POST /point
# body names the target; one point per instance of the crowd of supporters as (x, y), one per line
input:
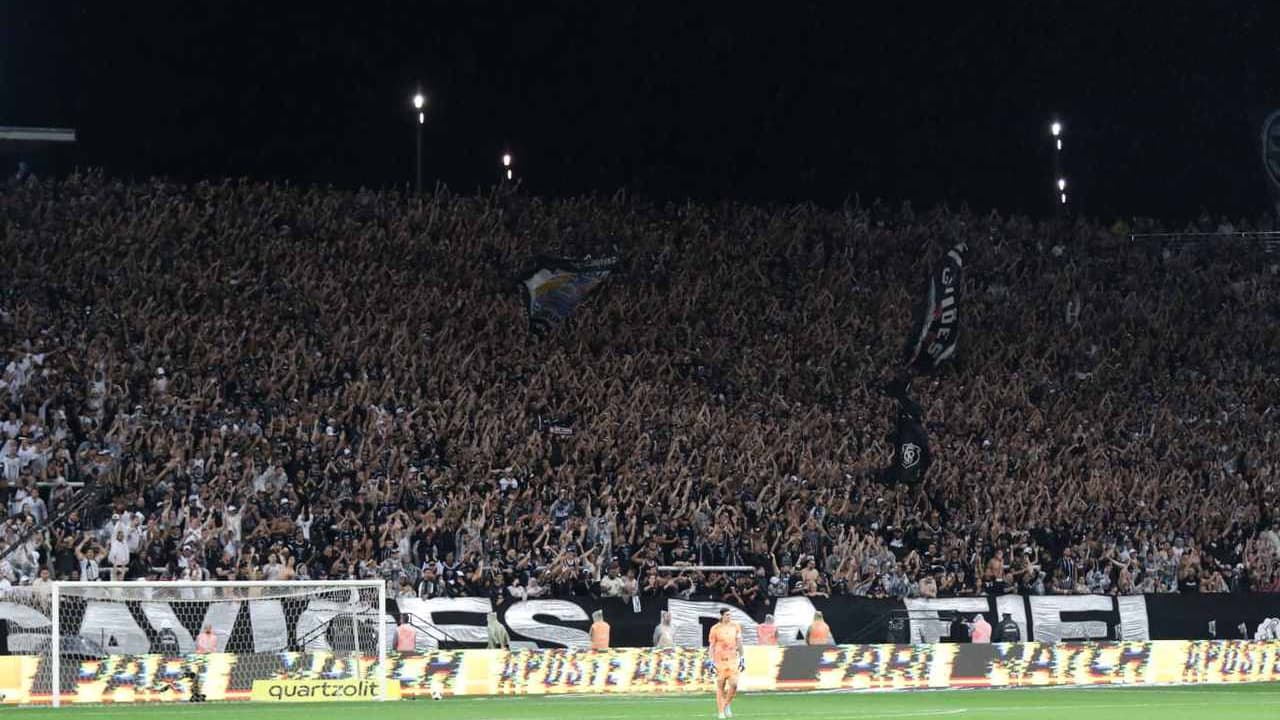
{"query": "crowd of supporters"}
(270, 382)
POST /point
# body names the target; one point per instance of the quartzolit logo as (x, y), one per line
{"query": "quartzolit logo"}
(326, 690)
(315, 690)
(1271, 149)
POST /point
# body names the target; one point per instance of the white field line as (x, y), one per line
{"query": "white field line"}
(751, 716)
(1175, 700)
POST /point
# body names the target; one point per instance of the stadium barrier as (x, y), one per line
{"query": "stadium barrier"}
(149, 678)
(551, 623)
(854, 620)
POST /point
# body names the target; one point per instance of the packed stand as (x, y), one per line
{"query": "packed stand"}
(270, 382)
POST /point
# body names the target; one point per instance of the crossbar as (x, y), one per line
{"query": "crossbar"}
(38, 134)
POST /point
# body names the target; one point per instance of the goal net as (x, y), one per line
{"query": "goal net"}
(213, 641)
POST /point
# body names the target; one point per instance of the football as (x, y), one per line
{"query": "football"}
(436, 694)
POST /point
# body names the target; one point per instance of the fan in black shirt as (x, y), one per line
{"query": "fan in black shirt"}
(1189, 581)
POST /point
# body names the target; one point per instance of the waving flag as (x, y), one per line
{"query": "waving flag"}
(911, 456)
(557, 285)
(937, 322)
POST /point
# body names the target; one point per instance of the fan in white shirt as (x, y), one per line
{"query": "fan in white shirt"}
(39, 510)
(304, 520)
(231, 521)
(274, 568)
(161, 383)
(118, 555)
(25, 557)
(28, 452)
(271, 479)
(11, 463)
(88, 557)
(136, 535)
(116, 523)
(42, 585)
(21, 503)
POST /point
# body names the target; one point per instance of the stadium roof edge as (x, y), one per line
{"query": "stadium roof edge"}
(38, 134)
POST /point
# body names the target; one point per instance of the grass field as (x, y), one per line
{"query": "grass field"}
(1174, 703)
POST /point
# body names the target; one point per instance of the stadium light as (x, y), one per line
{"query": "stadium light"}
(1060, 182)
(419, 102)
(508, 172)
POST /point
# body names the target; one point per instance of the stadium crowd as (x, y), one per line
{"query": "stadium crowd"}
(271, 382)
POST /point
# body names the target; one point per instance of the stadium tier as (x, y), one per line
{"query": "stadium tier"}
(503, 398)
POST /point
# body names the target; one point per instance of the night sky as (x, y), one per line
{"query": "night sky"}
(773, 102)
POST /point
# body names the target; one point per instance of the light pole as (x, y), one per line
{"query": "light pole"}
(506, 165)
(419, 102)
(1055, 130)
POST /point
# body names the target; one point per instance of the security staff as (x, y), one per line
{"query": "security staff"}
(1008, 631)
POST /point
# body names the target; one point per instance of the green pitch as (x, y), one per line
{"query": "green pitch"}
(1240, 701)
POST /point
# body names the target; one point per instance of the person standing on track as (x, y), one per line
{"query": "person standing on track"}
(206, 641)
(498, 636)
(767, 632)
(599, 631)
(819, 632)
(726, 652)
(664, 636)
(980, 630)
(406, 636)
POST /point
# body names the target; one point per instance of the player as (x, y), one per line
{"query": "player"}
(726, 652)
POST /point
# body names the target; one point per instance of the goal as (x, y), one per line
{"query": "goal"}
(122, 642)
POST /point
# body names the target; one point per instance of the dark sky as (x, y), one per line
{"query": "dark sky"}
(776, 101)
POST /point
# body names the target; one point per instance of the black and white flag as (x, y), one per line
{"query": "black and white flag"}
(911, 456)
(937, 317)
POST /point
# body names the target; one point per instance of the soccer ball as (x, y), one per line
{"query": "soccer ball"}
(436, 694)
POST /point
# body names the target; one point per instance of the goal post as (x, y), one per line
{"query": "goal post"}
(211, 641)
